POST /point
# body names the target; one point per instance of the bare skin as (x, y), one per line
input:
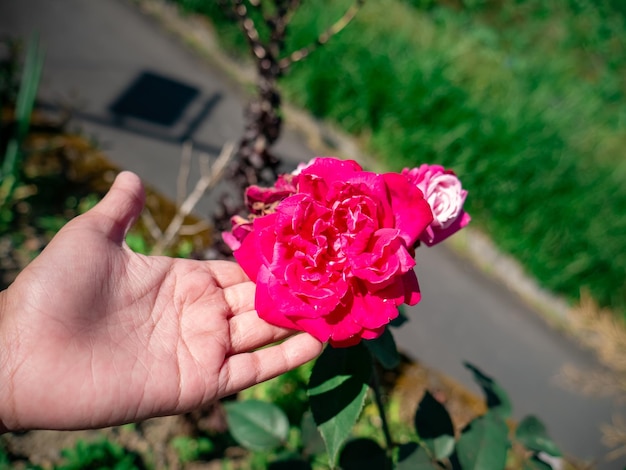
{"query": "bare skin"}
(94, 335)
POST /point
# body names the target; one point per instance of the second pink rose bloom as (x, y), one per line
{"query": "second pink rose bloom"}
(445, 196)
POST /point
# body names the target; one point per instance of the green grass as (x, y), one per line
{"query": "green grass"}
(524, 99)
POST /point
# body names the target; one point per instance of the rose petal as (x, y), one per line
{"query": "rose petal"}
(256, 249)
(445, 195)
(412, 212)
(372, 312)
(284, 302)
(317, 327)
(346, 343)
(241, 229)
(412, 294)
(373, 334)
(265, 303)
(332, 169)
(385, 262)
(434, 235)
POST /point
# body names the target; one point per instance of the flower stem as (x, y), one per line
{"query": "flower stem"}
(381, 410)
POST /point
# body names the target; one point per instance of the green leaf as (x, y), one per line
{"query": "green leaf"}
(328, 385)
(257, 425)
(532, 434)
(337, 390)
(484, 443)
(497, 399)
(411, 456)
(384, 350)
(29, 84)
(363, 454)
(311, 439)
(441, 447)
(434, 427)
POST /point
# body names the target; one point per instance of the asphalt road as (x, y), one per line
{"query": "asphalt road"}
(111, 63)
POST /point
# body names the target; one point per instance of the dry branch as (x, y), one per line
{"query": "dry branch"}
(209, 177)
(323, 38)
(183, 172)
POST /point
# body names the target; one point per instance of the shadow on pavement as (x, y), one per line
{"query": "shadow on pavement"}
(156, 107)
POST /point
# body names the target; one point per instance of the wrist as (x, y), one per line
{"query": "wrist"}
(5, 346)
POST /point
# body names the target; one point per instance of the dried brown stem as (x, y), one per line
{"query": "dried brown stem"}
(151, 225)
(210, 176)
(183, 172)
(190, 230)
(291, 8)
(323, 38)
(252, 34)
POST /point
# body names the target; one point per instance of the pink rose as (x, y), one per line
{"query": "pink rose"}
(442, 189)
(335, 259)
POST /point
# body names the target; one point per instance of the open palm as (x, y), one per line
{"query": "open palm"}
(93, 334)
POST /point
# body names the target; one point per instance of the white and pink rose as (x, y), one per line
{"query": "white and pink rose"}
(445, 196)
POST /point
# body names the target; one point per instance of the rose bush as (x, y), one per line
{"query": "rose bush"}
(442, 189)
(331, 249)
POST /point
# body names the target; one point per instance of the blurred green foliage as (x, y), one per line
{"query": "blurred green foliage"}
(524, 99)
(101, 454)
(190, 449)
(16, 131)
(287, 391)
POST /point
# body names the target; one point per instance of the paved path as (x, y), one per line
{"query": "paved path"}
(97, 50)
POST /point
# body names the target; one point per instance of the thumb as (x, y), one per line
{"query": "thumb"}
(116, 213)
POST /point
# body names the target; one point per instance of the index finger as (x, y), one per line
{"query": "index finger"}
(226, 273)
(246, 369)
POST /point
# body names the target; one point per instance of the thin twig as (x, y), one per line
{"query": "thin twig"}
(323, 38)
(292, 7)
(183, 172)
(249, 28)
(208, 179)
(148, 221)
(194, 229)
